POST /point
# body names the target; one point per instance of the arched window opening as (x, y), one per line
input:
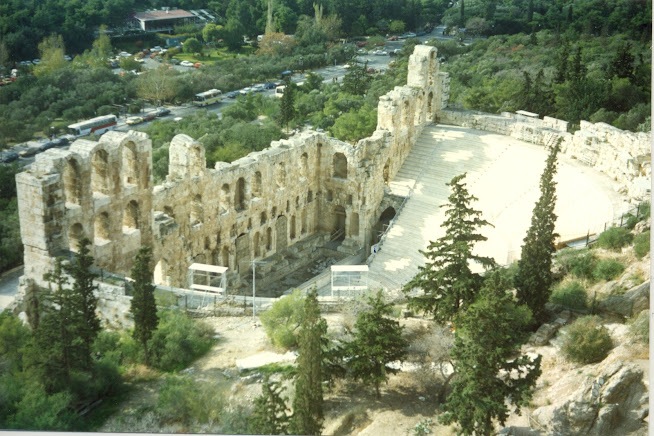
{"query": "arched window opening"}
(196, 210)
(161, 273)
(101, 227)
(293, 227)
(430, 101)
(304, 221)
(100, 172)
(130, 164)
(281, 175)
(75, 234)
(239, 195)
(264, 218)
(257, 251)
(405, 113)
(340, 165)
(72, 186)
(304, 165)
(268, 239)
(224, 200)
(256, 187)
(386, 172)
(310, 196)
(338, 232)
(354, 224)
(131, 215)
(225, 255)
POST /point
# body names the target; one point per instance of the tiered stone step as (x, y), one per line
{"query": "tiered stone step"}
(439, 155)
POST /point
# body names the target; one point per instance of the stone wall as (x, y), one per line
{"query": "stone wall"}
(622, 155)
(301, 190)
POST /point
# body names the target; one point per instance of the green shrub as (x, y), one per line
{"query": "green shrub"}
(185, 401)
(630, 221)
(107, 346)
(614, 238)
(571, 295)
(282, 320)
(639, 326)
(641, 245)
(607, 269)
(179, 340)
(579, 263)
(39, 411)
(587, 341)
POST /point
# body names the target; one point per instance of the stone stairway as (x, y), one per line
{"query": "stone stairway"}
(439, 154)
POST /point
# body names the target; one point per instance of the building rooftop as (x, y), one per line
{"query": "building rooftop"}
(163, 15)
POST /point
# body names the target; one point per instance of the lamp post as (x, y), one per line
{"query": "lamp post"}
(254, 264)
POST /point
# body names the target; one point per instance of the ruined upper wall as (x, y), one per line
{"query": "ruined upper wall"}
(254, 208)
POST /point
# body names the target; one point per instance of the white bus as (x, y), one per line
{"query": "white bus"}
(208, 97)
(95, 125)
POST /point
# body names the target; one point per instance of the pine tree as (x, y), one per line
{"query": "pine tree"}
(51, 355)
(462, 15)
(447, 283)
(562, 64)
(143, 305)
(534, 277)
(622, 64)
(307, 404)
(85, 321)
(377, 342)
(270, 408)
(487, 371)
(287, 108)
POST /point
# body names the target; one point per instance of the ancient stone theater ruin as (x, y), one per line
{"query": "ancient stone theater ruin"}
(287, 203)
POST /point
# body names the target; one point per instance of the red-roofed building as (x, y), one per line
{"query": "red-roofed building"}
(163, 21)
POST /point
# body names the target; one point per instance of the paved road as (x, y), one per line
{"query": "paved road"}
(9, 286)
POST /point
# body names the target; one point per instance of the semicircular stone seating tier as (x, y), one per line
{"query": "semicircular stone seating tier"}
(503, 173)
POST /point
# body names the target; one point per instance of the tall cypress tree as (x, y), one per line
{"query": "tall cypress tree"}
(488, 369)
(143, 305)
(307, 405)
(534, 277)
(287, 108)
(446, 280)
(561, 73)
(270, 408)
(85, 320)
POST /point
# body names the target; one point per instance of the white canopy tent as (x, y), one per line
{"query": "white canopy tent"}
(349, 279)
(208, 278)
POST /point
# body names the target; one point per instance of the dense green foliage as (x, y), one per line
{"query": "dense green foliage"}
(571, 295)
(560, 75)
(377, 342)
(283, 319)
(11, 246)
(534, 278)
(614, 238)
(488, 366)
(448, 285)
(579, 263)
(143, 306)
(641, 244)
(587, 341)
(183, 400)
(308, 401)
(270, 409)
(607, 269)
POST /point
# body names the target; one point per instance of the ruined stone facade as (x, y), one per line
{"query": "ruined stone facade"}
(297, 193)
(277, 205)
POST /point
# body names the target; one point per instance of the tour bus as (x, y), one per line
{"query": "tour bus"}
(208, 97)
(95, 125)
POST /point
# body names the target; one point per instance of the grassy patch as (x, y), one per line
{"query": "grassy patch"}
(587, 341)
(614, 238)
(607, 269)
(641, 245)
(210, 57)
(285, 370)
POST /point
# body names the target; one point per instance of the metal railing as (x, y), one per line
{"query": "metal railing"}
(376, 248)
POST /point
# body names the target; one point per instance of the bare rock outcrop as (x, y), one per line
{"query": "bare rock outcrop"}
(631, 302)
(614, 402)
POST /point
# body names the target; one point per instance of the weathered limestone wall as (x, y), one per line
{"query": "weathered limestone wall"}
(622, 155)
(99, 190)
(298, 193)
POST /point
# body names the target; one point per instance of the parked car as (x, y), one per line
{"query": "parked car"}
(60, 141)
(232, 94)
(421, 34)
(134, 120)
(361, 43)
(269, 85)
(258, 88)
(186, 64)
(28, 152)
(8, 157)
(393, 38)
(197, 65)
(47, 146)
(150, 116)
(162, 111)
(174, 61)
